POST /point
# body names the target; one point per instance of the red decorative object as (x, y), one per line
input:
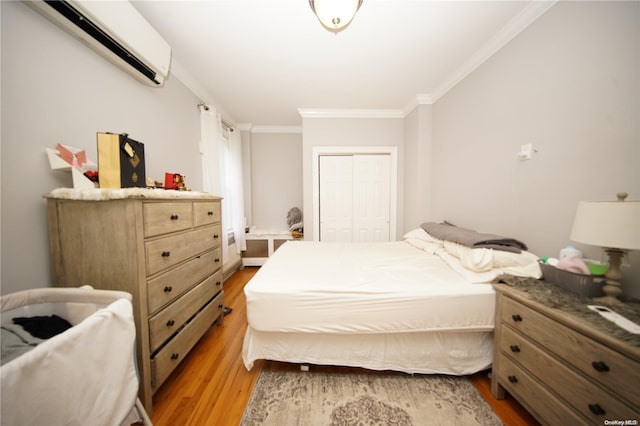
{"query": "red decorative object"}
(174, 181)
(92, 175)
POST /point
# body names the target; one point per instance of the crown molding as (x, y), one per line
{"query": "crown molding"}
(244, 127)
(276, 129)
(350, 113)
(514, 27)
(416, 101)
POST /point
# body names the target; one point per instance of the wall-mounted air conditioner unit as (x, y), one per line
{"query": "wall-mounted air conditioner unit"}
(116, 30)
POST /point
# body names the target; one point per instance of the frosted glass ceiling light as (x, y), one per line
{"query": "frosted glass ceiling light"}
(335, 15)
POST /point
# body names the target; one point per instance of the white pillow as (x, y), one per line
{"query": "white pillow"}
(478, 265)
(471, 276)
(421, 234)
(523, 264)
(419, 238)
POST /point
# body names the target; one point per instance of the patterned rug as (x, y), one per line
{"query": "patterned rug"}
(286, 398)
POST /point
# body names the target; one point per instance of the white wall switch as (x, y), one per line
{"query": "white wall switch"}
(526, 151)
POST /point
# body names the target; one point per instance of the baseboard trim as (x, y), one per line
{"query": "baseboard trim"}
(228, 270)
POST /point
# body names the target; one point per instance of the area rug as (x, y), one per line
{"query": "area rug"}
(286, 398)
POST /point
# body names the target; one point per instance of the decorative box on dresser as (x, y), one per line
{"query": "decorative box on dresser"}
(163, 247)
(564, 367)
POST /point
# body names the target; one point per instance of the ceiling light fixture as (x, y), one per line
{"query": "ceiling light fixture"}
(335, 15)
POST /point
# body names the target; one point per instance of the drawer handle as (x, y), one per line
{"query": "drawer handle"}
(516, 317)
(168, 289)
(170, 323)
(218, 283)
(175, 217)
(513, 379)
(514, 348)
(166, 253)
(217, 260)
(209, 213)
(600, 366)
(597, 409)
(215, 236)
(174, 356)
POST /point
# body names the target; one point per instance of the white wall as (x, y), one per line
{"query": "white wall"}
(55, 89)
(418, 130)
(276, 179)
(570, 85)
(349, 132)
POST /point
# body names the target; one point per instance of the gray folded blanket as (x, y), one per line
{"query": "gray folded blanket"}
(471, 238)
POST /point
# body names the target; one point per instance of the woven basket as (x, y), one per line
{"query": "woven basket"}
(585, 285)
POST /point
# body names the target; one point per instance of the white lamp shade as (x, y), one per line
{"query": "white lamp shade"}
(335, 15)
(608, 224)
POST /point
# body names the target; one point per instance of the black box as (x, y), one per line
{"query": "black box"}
(120, 161)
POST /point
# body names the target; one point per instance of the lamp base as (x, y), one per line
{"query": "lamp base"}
(612, 287)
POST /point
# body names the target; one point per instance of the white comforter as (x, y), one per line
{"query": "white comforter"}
(364, 288)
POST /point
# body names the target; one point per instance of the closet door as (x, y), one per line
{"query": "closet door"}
(371, 201)
(336, 198)
(354, 197)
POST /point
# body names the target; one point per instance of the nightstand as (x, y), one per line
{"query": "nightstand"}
(563, 364)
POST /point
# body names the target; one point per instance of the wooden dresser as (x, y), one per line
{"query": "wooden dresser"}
(563, 368)
(163, 250)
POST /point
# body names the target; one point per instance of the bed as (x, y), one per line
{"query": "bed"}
(68, 358)
(420, 305)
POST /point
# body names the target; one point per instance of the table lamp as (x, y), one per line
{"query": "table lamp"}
(614, 226)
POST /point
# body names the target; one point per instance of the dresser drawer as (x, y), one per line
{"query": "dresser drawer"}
(525, 388)
(168, 286)
(585, 396)
(206, 213)
(168, 358)
(166, 322)
(165, 252)
(610, 368)
(163, 218)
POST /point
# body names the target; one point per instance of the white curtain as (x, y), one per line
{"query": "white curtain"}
(222, 174)
(212, 152)
(210, 147)
(235, 186)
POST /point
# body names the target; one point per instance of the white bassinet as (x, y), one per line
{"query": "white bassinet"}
(84, 375)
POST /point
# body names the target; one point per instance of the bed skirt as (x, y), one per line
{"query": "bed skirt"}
(454, 353)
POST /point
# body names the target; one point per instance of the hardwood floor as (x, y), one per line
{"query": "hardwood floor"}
(211, 386)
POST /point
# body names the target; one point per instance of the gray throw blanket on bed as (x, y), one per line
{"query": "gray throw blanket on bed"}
(473, 239)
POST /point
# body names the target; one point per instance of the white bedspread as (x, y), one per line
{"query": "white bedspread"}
(364, 288)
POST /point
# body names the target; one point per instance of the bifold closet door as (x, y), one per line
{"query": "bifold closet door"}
(354, 197)
(371, 197)
(336, 197)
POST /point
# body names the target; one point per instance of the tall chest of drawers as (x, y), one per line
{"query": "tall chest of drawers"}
(563, 367)
(165, 251)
